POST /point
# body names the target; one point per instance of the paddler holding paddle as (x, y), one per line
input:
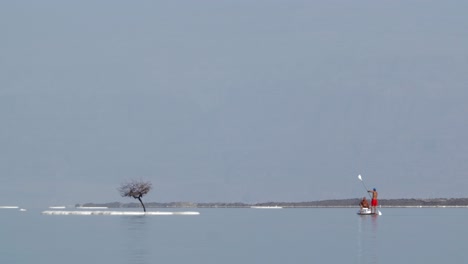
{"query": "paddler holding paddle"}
(374, 202)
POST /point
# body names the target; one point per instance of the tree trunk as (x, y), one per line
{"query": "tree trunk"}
(144, 209)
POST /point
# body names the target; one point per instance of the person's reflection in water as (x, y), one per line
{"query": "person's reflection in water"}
(135, 245)
(374, 242)
(367, 239)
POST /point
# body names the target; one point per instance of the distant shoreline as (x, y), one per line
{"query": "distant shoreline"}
(339, 203)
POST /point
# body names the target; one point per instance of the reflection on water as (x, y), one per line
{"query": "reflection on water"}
(135, 235)
(367, 239)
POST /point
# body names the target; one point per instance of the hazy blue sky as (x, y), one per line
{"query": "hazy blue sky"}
(238, 100)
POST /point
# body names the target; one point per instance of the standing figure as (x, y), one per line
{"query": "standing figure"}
(374, 202)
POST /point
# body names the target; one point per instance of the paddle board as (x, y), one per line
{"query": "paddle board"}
(366, 211)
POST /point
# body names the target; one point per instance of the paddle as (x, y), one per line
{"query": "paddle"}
(365, 187)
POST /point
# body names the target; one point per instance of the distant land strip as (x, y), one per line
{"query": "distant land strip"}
(435, 202)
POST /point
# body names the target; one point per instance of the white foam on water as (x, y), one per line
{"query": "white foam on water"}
(266, 207)
(92, 207)
(115, 213)
(9, 207)
(186, 213)
(57, 207)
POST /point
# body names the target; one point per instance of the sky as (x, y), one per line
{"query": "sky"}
(232, 101)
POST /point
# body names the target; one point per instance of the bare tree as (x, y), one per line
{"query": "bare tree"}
(135, 189)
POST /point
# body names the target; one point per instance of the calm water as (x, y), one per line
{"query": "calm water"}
(400, 235)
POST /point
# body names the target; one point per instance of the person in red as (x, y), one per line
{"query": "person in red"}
(374, 202)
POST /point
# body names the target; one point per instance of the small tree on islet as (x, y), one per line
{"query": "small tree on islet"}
(136, 189)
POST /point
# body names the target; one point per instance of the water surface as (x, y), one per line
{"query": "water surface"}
(324, 235)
